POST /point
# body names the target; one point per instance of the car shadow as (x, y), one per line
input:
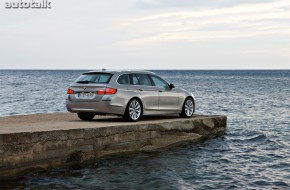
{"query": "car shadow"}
(143, 119)
(120, 119)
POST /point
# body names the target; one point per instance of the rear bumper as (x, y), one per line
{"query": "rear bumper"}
(105, 107)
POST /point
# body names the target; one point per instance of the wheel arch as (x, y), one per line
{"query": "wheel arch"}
(191, 98)
(134, 97)
(188, 96)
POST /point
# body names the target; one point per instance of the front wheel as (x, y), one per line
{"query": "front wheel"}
(134, 110)
(86, 116)
(188, 108)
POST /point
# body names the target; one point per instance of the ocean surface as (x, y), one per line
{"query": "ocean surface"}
(253, 154)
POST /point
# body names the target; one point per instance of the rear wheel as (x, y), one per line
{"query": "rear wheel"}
(134, 110)
(86, 116)
(188, 108)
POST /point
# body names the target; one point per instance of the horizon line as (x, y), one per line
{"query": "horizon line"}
(148, 69)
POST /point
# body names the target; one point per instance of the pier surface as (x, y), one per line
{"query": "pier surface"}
(41, 141)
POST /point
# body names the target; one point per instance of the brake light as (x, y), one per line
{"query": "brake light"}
(70, 91)
(111, 91)
(107, 91)
(101, 92)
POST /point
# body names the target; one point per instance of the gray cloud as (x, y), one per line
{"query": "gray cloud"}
(165, 4)
(142, 35)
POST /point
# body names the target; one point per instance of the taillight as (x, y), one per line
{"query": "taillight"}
(70, 91)
(111, 91)
(107, 91)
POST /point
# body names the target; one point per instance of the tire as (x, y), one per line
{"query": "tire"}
(188, 108)
(134, 110)
(86, 116)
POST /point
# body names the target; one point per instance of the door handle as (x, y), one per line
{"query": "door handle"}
(140, 89)
(160, 90)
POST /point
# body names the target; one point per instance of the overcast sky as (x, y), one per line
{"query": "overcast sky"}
(147, 34)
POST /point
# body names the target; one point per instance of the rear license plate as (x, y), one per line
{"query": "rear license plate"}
(87, 95)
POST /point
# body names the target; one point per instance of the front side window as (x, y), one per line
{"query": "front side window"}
(86, 78)
(159, 82)
(124, 79)
(143, 79)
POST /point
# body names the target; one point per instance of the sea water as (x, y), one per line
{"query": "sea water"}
(253, 154)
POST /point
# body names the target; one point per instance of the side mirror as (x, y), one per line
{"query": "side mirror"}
(171, 86)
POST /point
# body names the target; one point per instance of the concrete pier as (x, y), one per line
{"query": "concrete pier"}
(43, 141)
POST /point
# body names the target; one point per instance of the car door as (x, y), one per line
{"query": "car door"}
(148, 92)
(168, 98)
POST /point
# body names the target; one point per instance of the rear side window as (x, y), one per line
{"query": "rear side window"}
(86, 78)
(141, 79)
(124, 79)
(135, 80)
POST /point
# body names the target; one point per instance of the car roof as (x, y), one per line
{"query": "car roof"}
(118, 71)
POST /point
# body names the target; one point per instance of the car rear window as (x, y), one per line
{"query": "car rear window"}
(103, 78)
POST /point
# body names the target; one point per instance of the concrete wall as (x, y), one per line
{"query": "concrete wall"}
(24, 151)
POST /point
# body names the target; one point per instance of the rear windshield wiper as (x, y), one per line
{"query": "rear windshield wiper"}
(83, 81)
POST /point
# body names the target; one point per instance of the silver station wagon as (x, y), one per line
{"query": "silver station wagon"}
(130, 94)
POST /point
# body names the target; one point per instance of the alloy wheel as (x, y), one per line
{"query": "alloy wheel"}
(188, 108)
(134, 110)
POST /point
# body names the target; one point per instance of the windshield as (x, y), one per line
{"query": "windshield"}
(103, 78)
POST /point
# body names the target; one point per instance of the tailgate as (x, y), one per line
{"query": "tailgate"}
(86, 92)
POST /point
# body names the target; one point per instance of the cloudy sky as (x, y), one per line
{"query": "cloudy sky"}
(147, 34)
